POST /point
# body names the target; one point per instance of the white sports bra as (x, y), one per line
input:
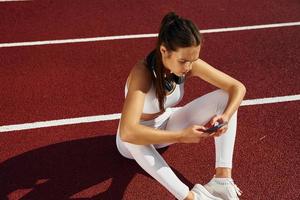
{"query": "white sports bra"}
(151, 104)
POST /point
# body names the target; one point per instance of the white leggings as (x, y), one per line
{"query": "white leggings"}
(198, 112)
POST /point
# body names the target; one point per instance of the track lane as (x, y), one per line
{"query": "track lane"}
(48, 20)
(65, 81)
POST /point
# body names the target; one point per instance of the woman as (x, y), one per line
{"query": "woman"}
(147, 122)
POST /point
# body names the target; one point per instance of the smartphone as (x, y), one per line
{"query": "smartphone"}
(214, 128)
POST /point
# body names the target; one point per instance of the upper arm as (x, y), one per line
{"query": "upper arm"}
(138, 85)
(213, 76)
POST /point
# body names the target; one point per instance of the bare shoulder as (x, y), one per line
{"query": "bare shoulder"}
(139, 77)
(138, 82)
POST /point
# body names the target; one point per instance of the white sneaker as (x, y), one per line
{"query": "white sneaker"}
(200, 193)
(223, 188)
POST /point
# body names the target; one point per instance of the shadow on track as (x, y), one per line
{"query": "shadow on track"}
(60, 171)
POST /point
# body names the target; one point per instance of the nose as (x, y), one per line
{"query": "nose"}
(188, 66)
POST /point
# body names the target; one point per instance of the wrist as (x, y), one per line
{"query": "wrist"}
(226, 117)
(178, 136)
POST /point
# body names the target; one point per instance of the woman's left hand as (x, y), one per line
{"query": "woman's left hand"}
(220, 119)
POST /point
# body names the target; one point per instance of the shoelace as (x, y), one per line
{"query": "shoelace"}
(237, 190)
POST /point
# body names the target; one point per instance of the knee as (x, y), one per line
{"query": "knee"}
(221, 97)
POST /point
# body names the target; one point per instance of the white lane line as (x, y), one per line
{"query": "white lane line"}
(99, 118)
(254, 27)
(137, 36)
(60, 122)
(261, 101)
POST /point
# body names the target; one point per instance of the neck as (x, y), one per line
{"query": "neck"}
(166, 71)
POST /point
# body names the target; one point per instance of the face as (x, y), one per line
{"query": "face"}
(180, 62)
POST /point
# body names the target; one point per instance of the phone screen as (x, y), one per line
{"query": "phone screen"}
(214, 128)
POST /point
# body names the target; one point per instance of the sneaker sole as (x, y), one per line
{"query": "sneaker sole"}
(199, 188)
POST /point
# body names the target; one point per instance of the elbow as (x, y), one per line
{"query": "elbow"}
(240, 88)
(243, 89)
(125, 134)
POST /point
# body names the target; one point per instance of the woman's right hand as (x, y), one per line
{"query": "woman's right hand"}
(193, 134)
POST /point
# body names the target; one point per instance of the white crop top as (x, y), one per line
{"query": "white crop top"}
(151, 104)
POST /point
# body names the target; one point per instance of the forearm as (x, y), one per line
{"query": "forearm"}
(142, 135)
(236, 95)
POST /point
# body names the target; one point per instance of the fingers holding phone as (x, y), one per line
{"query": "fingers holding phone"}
(193, 134)
(217, 129)
(217, 126)
(221, 129)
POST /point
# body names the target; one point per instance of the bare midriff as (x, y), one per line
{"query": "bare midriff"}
(147, 117)
(154, 115)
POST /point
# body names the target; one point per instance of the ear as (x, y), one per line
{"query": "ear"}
(163, 50)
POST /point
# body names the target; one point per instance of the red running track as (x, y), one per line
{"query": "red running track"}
(45, 20)
(69, 80)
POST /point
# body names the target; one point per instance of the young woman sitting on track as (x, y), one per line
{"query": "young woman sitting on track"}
(147, 122)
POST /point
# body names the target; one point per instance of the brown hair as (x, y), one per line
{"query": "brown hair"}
(175, 32)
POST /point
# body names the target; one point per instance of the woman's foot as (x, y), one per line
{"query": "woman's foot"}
(223, 188)
(200, 193)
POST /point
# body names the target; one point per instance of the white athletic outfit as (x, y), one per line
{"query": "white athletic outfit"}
(198, 112)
